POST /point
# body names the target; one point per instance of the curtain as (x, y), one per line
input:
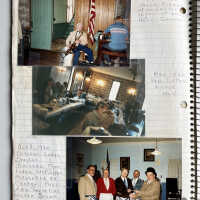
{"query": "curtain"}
(175, 170)
(70, 10)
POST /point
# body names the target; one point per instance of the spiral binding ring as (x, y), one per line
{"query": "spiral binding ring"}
(195, 97)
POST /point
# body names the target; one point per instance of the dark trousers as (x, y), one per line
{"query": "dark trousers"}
(106, 46)
(86, 50)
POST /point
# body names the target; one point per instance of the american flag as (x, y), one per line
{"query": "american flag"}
(108, 161)
(92, 16)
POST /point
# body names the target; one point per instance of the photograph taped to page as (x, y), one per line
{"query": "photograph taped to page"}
(74, 32)
(89, 101)
(100, 163)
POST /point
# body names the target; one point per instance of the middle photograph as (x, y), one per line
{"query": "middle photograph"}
(89, 101)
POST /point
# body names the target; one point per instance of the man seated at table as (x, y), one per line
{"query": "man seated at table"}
(80, 96)
(57, 90)
(48, 93)
(80, 39)
(119, 36)
(100, 118)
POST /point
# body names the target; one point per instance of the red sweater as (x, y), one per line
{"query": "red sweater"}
(101, 188)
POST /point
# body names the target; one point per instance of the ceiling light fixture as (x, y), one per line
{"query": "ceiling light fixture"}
(156, 152)
(94, 141)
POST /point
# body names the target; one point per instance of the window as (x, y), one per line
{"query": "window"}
(114, 91)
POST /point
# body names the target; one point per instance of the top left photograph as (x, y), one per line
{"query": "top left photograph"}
(74, 33)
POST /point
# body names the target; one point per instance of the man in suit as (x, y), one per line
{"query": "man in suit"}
(87, 185)
(123, 185)
(105, 187)
(150, 189)
(80, 38)
(137, 181)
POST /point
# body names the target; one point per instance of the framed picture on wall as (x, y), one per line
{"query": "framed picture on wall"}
(148, 156)
(125, 162)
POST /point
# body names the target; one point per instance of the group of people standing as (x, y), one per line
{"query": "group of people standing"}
(122, 188)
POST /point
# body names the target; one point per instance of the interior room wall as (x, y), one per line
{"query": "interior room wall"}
(60, 8)
(95, 154)
(74, 148)
(61, 28)
(105, 11)
(60, 74)
(104, 91)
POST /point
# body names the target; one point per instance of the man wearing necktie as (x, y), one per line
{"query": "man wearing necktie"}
(123, 185)
(80, 39)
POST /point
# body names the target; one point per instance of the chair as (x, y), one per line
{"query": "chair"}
(102, 51)
(172, 191)
(68, 60)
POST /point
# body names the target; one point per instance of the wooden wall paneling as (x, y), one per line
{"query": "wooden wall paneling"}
(105, 11)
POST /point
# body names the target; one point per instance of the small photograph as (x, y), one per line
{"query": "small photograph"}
(74, 32)
(89, 101)
(108, 168)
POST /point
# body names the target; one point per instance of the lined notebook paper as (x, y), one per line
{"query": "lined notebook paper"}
(39, 162)
(160, 35)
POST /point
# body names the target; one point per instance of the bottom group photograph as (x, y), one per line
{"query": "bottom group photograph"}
(124, 168)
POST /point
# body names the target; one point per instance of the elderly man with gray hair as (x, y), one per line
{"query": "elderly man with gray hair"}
(78, 39)
(137, 181)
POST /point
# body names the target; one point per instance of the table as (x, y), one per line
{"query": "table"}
(43, 111)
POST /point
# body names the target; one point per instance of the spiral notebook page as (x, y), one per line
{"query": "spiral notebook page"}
(39, 163)
(160, 35)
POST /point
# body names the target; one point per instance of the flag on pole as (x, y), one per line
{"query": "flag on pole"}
(92, 15)
(108, 161)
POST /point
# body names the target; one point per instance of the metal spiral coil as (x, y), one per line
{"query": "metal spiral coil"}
(195, 97)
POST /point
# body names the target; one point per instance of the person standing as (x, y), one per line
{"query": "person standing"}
(48, 93)
(137, 181)
(123, 185)
(87, 186)
(150, 188)
(105, 187)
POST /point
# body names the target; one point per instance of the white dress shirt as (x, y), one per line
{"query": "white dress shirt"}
(106, 182)
(134, 181)
(91, 178)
